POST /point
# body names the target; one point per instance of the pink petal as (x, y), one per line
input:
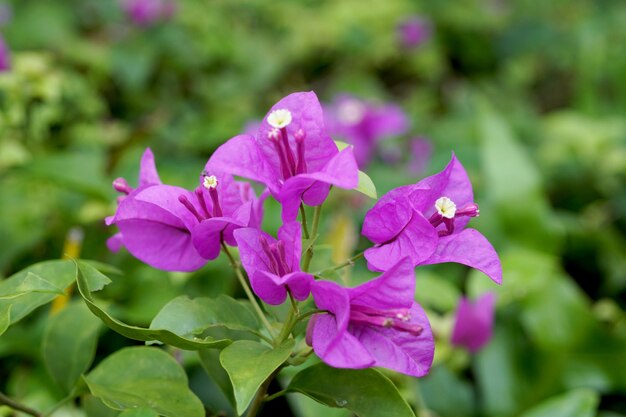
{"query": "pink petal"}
(148, 174)
(470, 248)
(418, 241)
(338, 348)
(397, 350)
(393, 289)
(473, 327)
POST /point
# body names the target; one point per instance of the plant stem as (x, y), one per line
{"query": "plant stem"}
(305, 229)
(247, 290)
(348, 262)
(306, 261)
(17, 406)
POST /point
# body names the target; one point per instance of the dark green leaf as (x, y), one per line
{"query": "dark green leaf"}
(248, 364)
(210, 359)
(146, 377)
(366, 392)
(69, 344)
(578, 403)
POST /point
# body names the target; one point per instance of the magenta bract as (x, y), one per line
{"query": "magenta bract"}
(363, 124)
(473, 326)
(292, 154)
(426, 222)
(375, 324)
(174, 229)
(273, 265)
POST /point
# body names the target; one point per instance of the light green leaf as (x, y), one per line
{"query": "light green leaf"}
(87, 277)
(5, 317)
(341, 145)
(145, 377)
(138, 412)
(578, 403)
(32, 283)
(248, 364)
(366, 392)
(189, 318)
(366, 186)
(69, 344)
(53, 276)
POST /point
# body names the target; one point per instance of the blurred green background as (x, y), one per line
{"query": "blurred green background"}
(530, 95)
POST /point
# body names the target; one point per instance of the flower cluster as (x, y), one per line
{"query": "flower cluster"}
(293, 157)
(144, 13)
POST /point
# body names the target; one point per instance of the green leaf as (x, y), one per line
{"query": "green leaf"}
(146, 377)
(139, 412)
(248, 364)
(189, 318)
(210, 359)
(447, 394)
(341, 145)
(5, 317)
(578, 403)
(69, 344)
(366, 392)
(90, 279)
(51, 276)
(32, 283)
(366, 186)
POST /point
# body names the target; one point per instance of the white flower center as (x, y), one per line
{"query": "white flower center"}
(445, 207)
(279, 118)
(351, 112)
(210, 182)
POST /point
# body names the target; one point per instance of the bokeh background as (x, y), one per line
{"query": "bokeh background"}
(529, 94)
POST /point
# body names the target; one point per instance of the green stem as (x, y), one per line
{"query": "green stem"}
(305, 230)
(17, 406)
(247, 290)
(306, 261)
(348, 262)
(259, 398)
(275, 395)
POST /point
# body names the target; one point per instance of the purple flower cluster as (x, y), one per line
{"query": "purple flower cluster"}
(292, 155)
(5, 56)
(414, 31)
(145, 13)
(364, 124)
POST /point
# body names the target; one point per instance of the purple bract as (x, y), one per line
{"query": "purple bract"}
(363, 124)
(146, 13)
(473, 326)
(5, 56)
(426, 222)
(414, 31)
(273, 266)
(375, 324)
(292, 154)
(174, 229)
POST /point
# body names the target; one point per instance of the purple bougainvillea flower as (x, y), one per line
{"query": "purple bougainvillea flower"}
(274, 265)
(426, 222)
(473, 326)
(292, 154)
(146, 13)
(5, 56)
(414, 31)
(174, 229)
(364, 124)
(375, 324)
